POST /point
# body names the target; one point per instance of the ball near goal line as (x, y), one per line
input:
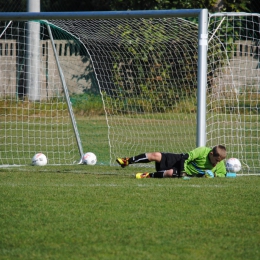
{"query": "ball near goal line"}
(233, 165)
(39, 159)
(89, 158)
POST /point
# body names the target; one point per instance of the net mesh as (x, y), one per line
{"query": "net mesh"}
(146, 73)
(233, 87)
(146, 70)
(39, 122)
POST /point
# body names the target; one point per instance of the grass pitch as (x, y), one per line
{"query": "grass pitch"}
(102, 212)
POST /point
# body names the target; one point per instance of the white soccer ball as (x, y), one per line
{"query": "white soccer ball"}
(89, 158)
(39, 159)
(233, 165)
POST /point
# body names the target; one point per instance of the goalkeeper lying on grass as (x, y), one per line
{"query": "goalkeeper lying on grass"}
(202, 161)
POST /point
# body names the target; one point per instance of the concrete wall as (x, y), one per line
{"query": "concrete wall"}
(245, 65)
(7, 67)
(243, 73)
(77, 69)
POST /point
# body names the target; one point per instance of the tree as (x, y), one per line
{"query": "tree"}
(211, 5)
(116, 5)
(13, 6)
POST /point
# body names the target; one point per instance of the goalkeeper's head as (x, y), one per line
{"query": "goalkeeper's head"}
(217, 154)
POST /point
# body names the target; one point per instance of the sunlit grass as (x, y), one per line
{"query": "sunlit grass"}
(101, 212)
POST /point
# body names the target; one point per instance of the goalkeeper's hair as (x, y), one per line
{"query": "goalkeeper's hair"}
(219, 151)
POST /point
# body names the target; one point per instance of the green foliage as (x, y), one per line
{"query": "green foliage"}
(164, 71)
(247, 28)
(237, 6)
(244, 103)
(211, 5)
(87, 104)
(51, 108)
(149, 105)
(116, 5)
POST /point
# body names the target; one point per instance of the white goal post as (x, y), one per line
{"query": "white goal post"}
(169, 80)
(33, 131)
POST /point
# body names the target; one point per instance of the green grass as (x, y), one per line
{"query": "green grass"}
(102, 212)
(40, 130)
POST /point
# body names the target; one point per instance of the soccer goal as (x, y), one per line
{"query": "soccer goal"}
(144, 62)
(169, 81)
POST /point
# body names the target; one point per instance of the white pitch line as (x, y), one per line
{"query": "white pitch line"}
(113, 185)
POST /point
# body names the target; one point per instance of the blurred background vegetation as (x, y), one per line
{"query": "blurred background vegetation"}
(94, 104)
(117, 5)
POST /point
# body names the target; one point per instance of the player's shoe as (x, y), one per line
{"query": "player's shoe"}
(142, 175)
(123, 162)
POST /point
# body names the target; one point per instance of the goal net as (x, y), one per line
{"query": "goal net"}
(145, 70)
(34, 109)
(234, 86)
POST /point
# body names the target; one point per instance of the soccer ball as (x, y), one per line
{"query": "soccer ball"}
(233, 165)
(89, 158)
(39, 159)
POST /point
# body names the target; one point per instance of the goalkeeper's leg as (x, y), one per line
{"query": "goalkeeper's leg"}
(141, 158)
(171, 173)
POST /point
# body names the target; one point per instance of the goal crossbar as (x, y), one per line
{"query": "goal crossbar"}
(26, 16)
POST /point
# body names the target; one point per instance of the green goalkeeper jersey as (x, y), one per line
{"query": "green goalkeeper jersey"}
(198, 162)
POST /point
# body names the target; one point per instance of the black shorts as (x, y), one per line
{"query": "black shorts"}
(170, 161)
